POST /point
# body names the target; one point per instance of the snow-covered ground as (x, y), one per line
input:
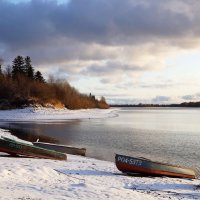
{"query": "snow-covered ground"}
(79, 177)
(51, 114)
(83, 178)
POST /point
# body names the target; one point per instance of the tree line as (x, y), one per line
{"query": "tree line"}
(22, 67)
(184, 104)
(21, 86)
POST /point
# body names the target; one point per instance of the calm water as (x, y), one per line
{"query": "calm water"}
(163, 134)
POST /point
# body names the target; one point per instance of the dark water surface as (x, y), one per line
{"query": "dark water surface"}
(163, 134)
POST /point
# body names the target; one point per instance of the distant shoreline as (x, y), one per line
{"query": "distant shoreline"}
(184, 104)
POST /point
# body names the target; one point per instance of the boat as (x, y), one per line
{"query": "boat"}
(133, 165)
(61, 148)
(14, 147)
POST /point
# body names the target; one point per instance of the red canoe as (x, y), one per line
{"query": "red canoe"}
(132, 165)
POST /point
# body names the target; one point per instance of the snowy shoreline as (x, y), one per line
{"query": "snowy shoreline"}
(51, 114)
(79, 177)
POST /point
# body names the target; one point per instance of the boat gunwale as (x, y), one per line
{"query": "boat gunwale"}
(190, 173)
(155, 162)
(59, 145)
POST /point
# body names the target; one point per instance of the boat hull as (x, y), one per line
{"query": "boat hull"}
(61, 148)
(144, 166)
(18, 148)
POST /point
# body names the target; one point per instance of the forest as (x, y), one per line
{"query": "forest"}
(21, 86)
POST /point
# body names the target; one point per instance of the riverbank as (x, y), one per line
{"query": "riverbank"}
(79, 177)
(83, 178)
(51, 114)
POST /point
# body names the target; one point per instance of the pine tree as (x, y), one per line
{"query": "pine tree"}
(1, 62)
(18, 66)
(38, 77)
(28, 67)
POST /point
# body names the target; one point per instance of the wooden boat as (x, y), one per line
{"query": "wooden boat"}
(14, 147)
(61, 148)
(131, 165)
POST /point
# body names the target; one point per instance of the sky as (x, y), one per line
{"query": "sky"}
(130, 52)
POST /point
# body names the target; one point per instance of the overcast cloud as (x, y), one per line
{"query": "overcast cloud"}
(112, 22)
(99, 38)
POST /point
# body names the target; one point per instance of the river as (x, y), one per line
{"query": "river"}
(163, 134)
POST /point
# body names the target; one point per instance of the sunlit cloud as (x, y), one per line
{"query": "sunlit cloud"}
(115, 48)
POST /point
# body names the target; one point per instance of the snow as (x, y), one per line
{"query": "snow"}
(79, 177)
(83, 178)
(51, 114)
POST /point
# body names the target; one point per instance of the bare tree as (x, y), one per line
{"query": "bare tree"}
(8, 71)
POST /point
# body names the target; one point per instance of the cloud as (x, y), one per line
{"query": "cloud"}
(161, 99)
(161, 85)
(118, 99)
(193, 97)
(110, 40)
(94, 21)
(109, 68)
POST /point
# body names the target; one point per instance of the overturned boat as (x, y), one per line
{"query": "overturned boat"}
(14, 147)
(61, 148)
(132, 165)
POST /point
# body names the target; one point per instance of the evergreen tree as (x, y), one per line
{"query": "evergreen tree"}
(1, 62)
(28, 67)
(18, 66)
(38, 77)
